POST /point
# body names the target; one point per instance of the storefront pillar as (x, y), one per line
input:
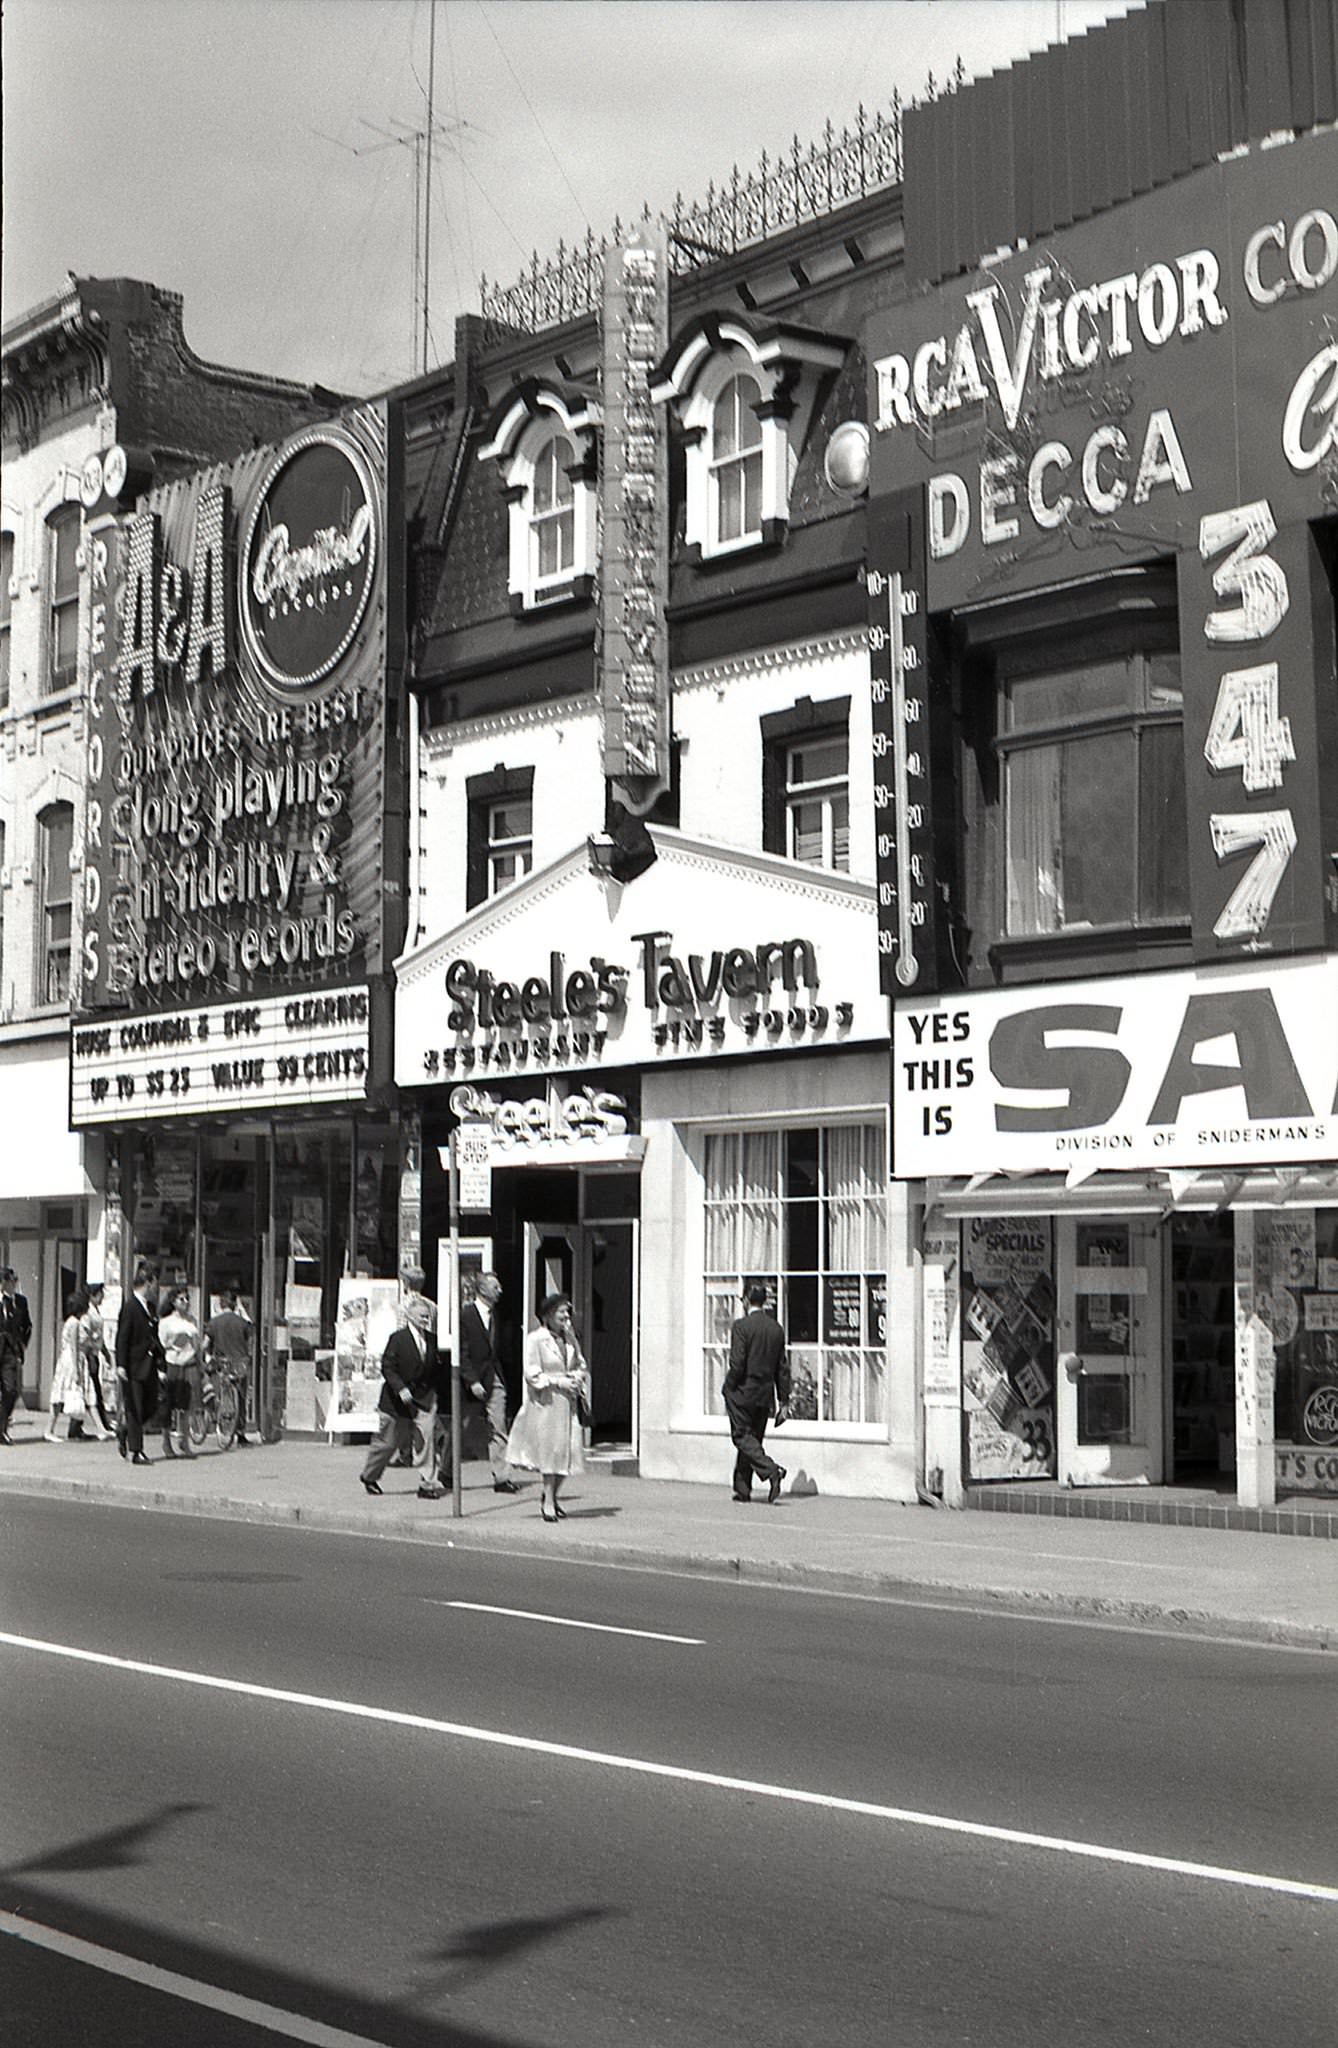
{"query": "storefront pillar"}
(903, 1337)
(941, 1349)
(1256, 1471)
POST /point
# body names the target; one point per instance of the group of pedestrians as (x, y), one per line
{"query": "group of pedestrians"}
(547, 1435)
(152, 1377)
(162, 1356)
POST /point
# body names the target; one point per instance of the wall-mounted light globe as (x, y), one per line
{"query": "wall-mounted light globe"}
(846, 464)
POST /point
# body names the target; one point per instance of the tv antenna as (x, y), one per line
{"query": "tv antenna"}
(399, 135)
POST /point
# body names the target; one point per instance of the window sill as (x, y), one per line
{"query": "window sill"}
(576, 590)
(1056, 955)
(801, 1432)
(721, 554)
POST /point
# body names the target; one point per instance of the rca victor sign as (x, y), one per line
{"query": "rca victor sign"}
(243, 812)
(1091, 399)
(1162, 380)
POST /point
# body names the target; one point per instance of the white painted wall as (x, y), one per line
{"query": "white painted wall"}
(718, 710)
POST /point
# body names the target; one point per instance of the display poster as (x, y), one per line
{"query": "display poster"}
(942, 1380)
(302, 1313)
(1287, 1307)
(368, 1318)
(1008, 1348)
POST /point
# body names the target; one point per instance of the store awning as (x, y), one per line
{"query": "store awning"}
(1132, 1194)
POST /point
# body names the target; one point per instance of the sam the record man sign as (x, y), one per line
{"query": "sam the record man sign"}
(899, 671)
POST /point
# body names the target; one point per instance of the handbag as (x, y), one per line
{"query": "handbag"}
(74, 1405)
(583, 1415)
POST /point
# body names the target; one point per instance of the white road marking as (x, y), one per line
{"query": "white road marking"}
(603, 1628)
(292, 2026)
(1096, 1852)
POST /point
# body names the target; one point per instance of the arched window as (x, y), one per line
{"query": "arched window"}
(63, 602)
(55, 844)
(6, 603)
(553, 513)
(736, 463)
(542, 438)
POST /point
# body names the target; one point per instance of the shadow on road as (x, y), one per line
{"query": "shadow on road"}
(477, 1950)
(114, 1849)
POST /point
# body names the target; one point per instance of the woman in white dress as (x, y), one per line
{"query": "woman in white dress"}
(71, 1395)
(546, 1435)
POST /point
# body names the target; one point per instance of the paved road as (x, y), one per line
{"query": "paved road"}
(408, 1820)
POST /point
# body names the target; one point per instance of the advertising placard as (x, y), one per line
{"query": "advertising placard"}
(368, 1316)
(1199, 1068)
(242, 807)
(1008, 1348)
(246, 1056)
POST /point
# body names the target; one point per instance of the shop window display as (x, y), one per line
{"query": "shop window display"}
(1296, 1286)
(803, 1211)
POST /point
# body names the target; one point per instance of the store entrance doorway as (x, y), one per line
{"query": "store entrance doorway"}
(1110, 1410)
(594, 1263)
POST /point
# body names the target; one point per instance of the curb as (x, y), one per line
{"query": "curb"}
(439, 1533)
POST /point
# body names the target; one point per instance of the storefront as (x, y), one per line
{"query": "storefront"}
(242, 897)
(1102, 576)
(683, 1084)
(1131, 1232)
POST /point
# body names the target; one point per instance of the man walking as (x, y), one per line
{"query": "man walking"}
(758, 1376)
(409, 1375)
(139, 1360)
(481, 1372)
(16, 1328)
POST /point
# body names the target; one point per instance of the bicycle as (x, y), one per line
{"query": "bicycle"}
(219, 1409)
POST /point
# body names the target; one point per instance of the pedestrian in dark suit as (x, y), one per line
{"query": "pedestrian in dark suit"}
(481, 1372)
(758, 1377)
(16, 1328)
(139, 1360)
(410, 1381)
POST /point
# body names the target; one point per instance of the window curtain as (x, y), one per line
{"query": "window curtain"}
(1035, 870)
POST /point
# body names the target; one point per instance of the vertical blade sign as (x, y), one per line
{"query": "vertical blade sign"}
(634, 544)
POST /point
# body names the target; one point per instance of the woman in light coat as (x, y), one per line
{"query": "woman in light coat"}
(546, 1435)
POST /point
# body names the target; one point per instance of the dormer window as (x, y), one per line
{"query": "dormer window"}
(543, 442)
(744, 396)
(553, 513)
(736, 463)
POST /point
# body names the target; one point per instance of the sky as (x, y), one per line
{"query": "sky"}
(254, 155)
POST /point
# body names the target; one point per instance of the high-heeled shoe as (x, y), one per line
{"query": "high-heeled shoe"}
(547, 1514)
(559, 1514)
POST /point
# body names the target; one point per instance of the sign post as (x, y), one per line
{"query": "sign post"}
(469, 1183)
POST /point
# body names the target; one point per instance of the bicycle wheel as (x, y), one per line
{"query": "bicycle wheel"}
(226, 1422)
(197, 1421)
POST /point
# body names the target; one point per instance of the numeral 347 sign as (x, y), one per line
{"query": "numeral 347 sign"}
(1261, 735)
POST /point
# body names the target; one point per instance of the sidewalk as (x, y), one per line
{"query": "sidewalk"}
(1252, 1587)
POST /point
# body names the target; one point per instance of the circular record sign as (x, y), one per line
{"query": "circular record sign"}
(309, 562)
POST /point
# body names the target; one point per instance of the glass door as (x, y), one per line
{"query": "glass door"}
(1110, 1418)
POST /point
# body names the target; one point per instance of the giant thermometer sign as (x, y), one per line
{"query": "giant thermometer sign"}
(903, 819)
